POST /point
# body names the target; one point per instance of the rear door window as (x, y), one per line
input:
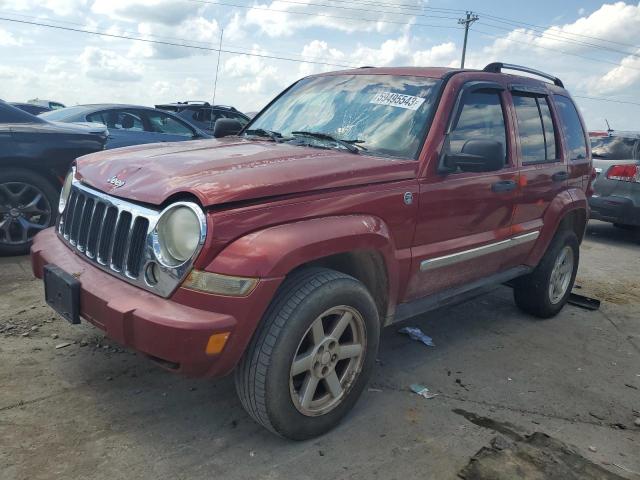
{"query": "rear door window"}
(572, 126)
(535, 129)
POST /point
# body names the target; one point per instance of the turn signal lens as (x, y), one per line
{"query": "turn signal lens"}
(624, 173)
(220, 284)
(216, 343)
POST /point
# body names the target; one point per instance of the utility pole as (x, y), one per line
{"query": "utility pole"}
(467, 22)
(215, 82)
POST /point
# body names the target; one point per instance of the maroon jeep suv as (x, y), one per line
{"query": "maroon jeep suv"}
(355, 199)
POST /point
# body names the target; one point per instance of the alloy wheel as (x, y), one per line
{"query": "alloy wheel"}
(328, 360)
(24, 211)
(561, 275)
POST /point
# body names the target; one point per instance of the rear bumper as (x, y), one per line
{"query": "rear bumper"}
(172, 333)
(615, 209)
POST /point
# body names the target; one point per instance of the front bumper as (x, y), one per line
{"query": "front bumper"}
(615, 209)
(174, 334)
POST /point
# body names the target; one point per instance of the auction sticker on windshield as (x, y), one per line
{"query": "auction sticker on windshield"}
(399, 100)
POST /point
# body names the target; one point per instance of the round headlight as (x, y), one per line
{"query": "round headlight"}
(66, 191)
(179, 233)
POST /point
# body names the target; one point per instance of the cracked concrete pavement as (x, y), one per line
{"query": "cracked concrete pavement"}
(95, 410)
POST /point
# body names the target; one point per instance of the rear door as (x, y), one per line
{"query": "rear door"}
(543, 170)
(464, 218)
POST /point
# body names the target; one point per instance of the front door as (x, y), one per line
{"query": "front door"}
(465, 216)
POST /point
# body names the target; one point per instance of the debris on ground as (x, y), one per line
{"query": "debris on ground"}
(528, 457)
(583, 301)
(592, 448)
(422, 391)
(63, 345)
(418, 335)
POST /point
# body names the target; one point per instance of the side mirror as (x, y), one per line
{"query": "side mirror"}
(477, 155)
(225, 127)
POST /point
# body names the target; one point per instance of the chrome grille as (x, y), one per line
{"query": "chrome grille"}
(105, 233)
(120, 237)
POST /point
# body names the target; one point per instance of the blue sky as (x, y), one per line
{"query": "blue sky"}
(80, 68)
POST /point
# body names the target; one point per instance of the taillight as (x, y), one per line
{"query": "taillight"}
(624, 173)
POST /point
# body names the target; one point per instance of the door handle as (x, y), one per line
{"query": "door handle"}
(504, 186)
(560, 176)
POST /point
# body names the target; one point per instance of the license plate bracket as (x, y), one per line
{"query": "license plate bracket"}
(62, 293)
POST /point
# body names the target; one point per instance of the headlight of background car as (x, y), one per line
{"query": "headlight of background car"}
(179, 232)
(66, 190)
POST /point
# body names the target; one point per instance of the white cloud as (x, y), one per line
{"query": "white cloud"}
(107, 65)
(278, 19)
(168, 12)
(59, 7)
(7, 39)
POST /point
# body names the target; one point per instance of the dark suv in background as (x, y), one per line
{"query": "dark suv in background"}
(616, 189)
(204, 115)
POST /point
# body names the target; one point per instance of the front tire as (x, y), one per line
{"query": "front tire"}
(28, 204)
(546, 290)
(312, 354)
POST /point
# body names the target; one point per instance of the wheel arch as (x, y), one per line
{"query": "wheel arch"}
(568, 210)
(357, 245)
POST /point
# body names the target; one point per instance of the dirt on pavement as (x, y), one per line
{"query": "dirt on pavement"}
(74, 405)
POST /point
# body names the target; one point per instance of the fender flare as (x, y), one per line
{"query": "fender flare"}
(565, 203)
(275, 251)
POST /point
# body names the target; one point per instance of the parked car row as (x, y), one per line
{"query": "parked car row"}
(40, 139)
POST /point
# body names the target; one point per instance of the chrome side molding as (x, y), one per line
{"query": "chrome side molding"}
(453, 258)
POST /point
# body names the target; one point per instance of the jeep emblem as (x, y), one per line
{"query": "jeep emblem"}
(116, 182)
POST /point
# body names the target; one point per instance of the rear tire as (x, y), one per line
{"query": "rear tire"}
(544, 292)
(303, 370)
(28, 204)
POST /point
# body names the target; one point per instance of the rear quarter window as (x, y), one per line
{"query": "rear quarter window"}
(572, 126)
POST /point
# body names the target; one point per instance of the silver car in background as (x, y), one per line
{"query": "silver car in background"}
(616, 161)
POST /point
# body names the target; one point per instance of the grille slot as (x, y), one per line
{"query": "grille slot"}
(106, 236)
(136, 246)
(120, 241)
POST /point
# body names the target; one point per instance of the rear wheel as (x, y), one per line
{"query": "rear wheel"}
(545, 291)
(27, 206)
(311, 356)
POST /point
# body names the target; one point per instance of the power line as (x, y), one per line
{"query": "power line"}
(562, 52)
(190, 42)
(602, 99)
(552, 27)
(561, 39)
(159, 42)
(339, 17)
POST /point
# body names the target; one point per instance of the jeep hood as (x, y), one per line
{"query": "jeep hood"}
(231, 169)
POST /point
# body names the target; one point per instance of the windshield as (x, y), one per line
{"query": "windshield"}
(62, 114)
(614, 148)
(382, 114)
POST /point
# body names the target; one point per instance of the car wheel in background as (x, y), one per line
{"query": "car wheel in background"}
(312, 354)
(545, 291)
(28, 204)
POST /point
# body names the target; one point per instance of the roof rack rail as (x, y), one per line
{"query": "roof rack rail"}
(497, 67)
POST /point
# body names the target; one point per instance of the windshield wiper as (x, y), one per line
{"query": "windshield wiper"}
(261, 132)
(348, 144)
